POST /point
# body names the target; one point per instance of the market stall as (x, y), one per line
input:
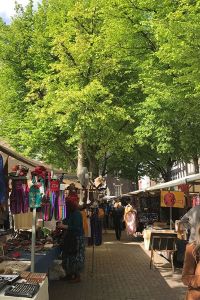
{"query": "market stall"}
(24, 288)
(31, 197)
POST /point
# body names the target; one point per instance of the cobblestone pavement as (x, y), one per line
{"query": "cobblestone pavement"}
(121, 272)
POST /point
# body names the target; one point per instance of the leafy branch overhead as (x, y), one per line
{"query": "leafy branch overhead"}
(121, 77)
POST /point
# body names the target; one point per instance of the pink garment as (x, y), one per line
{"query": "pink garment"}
(130, 220)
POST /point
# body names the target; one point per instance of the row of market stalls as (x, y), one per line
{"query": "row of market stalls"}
(160, 208)
(36, 193)
(168, 200)
(30, 193)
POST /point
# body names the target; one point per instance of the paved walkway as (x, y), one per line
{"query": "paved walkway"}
(121, 272)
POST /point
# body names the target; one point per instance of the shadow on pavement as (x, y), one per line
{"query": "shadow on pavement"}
(120, 272)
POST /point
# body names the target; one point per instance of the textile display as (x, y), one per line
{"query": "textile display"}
(44, 194)
(19, 197)
(130, 218)
(35, 196)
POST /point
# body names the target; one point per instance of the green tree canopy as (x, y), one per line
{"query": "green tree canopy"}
(121, 78)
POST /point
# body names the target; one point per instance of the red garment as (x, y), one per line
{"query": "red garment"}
(71, 204)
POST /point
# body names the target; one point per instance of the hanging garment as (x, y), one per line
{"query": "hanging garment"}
(35, 196)
(55, 205)
(25, 201)
(18, 196)
(2, 182)
(54, 185)
(46, 207)
(89, 227)
(85, 222)
(96, 228)
(61, 206)
(130, 221)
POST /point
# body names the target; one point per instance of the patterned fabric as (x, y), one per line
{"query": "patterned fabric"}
(130, 220)
(74, 264)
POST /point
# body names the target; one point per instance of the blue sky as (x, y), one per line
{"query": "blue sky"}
(7, 8)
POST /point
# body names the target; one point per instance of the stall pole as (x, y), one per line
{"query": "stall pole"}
(170, 217)
(33, 240)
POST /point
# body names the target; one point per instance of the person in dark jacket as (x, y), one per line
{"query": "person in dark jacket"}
(118, 212)
(73, 254)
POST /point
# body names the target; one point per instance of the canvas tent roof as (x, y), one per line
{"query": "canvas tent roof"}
(7, 150)
(28, 161)
(194, 178)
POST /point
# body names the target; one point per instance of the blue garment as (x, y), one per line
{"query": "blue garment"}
(75, 222)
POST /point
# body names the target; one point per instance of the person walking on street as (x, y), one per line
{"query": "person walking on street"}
(118, 213)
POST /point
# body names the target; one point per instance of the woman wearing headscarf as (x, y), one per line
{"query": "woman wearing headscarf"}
(73, 250)
(191, 268)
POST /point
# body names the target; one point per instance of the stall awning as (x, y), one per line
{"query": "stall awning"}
(136, 192)
(187, 179)
(21, 158)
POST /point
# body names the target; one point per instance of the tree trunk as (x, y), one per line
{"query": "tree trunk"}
(94, 166)
(167, 173)
(136, 177)
(196, 163)
(80, 161)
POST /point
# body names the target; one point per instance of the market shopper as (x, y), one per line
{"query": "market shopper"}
(118, 212)
(73, 249)
(191, 268)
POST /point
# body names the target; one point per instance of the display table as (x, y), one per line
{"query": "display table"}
(42, 294)
(149, 233)
(43, 260)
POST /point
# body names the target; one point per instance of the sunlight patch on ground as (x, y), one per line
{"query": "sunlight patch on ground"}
(111, 243)
(130, 243)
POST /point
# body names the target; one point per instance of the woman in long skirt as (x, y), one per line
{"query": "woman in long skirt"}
(73, 255)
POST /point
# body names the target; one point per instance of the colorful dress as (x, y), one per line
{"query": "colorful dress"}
(130, 220)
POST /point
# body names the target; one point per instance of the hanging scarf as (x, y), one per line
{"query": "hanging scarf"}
(25, 199)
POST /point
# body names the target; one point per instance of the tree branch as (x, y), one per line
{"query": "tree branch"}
(81, 25)
(69, 55)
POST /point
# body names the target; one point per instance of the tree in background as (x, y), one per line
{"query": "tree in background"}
(118, 81)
